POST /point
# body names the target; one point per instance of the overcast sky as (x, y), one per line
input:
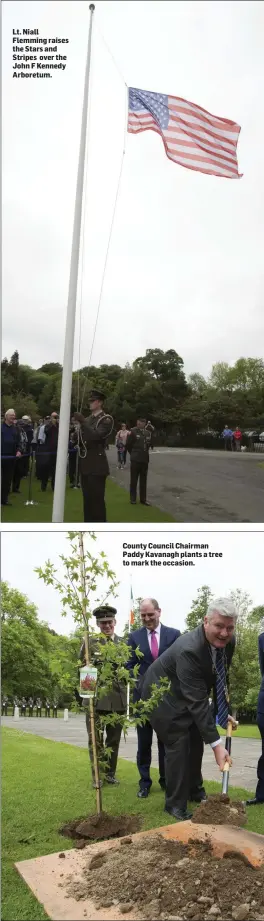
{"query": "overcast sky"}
(240, 567)
(185, 267)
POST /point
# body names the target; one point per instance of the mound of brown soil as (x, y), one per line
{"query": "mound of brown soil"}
(99, 827)
(215, 812)
(166, 880)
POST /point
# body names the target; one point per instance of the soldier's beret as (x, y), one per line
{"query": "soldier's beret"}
(97, 395)
(104, 611)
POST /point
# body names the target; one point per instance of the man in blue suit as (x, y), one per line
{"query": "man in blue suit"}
(152, 639)
(259, 795)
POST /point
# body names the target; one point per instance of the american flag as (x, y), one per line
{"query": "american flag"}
(192, 136)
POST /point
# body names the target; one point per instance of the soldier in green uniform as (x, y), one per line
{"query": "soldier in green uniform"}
(30, 706)
(4, 705)
(114, 701)
(93, 435)
(138, 445)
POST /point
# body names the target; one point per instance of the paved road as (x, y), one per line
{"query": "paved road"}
(203, 486)
(245, 751)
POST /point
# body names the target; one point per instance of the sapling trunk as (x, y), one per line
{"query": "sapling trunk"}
(91, 700)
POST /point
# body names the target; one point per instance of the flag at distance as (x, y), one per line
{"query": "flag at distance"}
(132, 615)
(192, 136)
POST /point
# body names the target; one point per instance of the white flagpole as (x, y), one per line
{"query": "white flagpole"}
(65, 405)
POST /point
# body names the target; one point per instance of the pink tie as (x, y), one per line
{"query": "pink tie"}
(154, 645)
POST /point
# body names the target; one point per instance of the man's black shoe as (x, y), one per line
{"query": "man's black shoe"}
(198, 797)
(254, 802)
(7, 503)
(133, 502)
(144, 503)
(112, 780)
(180, 814)
(142, 794)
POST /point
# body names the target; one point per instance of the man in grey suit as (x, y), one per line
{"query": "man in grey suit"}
(197, 663)
(114, 701)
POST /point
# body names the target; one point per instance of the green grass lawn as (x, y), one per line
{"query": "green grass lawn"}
(117, 505)
(45, 784)
(243, 732)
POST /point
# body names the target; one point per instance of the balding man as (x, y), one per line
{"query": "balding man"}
(195, 665)
(10, 449)
(152, 639)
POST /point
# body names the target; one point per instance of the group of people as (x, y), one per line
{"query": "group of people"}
(197, 665)
(93, 436)
(87, 458)
(232, 438)
(87, 453)
(29, 705)
(16, 440)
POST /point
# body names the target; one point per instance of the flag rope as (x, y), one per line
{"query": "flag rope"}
(107, 249)
(109, 238)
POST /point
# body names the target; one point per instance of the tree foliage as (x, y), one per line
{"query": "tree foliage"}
(154, 385)
(244, 672)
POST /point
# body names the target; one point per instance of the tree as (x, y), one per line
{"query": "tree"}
(84, 573)
(25, 667)
(199, 607)
(161, 365)
(53, 367)
(244, 674)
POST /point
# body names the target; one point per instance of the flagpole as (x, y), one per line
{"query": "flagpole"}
(66, 387)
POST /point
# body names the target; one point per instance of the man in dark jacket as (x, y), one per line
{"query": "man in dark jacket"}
(114, 701)
(74, 473)
(259, 795)
(30, 706)
(195, 664)
(21, 470)
(4, 705)
(152, 640)
(138, 445)
(51, 432)
(94, 468)
(10, 449)
(23, 707)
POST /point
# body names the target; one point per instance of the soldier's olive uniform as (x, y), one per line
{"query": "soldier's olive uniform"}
(4, 706)
(94, 465)
(47, 707)
(30, 706)
(115, 701)
(138, 444)
(23, 707)
(55, 708)
(38, 706)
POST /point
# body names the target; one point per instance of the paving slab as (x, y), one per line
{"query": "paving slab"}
(245, 752)
(199, 486)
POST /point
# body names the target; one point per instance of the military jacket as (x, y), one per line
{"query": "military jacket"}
(94, 433)
(115, 700)
(138, 445)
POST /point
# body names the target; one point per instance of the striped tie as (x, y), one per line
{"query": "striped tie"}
(222, 703)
